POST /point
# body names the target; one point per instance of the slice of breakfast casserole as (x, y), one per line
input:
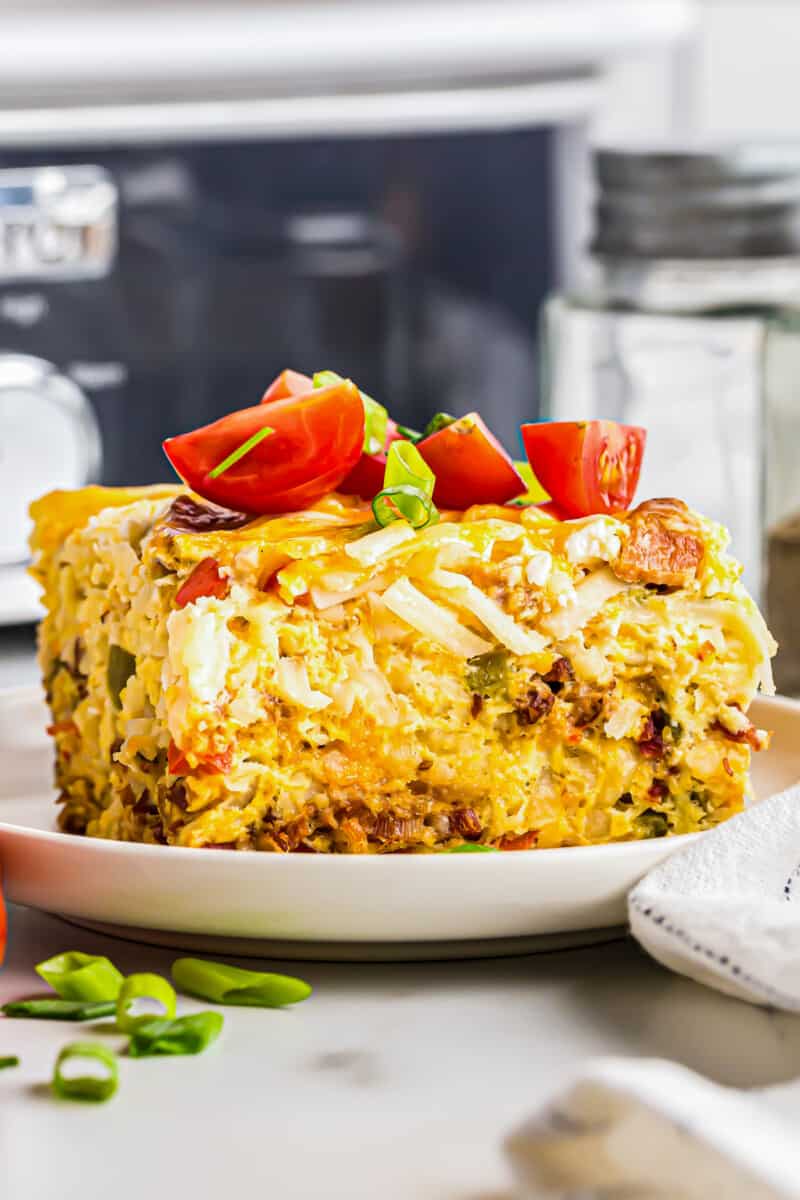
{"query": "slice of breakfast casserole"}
(309, 682)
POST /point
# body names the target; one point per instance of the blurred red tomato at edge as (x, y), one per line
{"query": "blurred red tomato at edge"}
(3, 921)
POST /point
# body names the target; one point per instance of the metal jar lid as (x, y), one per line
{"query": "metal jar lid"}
(737, 201)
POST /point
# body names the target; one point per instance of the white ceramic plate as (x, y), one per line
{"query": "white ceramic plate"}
(194, 896)
(19, 596)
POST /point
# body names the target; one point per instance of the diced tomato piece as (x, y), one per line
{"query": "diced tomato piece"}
(212, 764)
(366, 478)
(470, 465)
(288, 383)
(586, 466)
(205, 580)
(314, 443)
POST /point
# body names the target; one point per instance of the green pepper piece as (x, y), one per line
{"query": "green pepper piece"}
(9, 1060)
(86, 1087)
(121, 665)
(487, 674)
(184, 1035)
(231, 985)
(60, 1010)
(78, 976)
(655, 824)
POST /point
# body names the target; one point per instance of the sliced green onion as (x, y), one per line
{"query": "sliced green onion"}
(10, 1060)
(240, 452)
(60, 1010)
(407, 491)
(121, 665)
(232, 985)
(411, 435)
(471, 848)
(439, 421)
(403, 503)
(78, 976)
(535, 493)
(376, 418)
(184, 1035)
(137, 987)
(86, 1087)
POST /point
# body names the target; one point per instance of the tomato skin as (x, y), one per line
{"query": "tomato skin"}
(470, 465)
(288, 383)
(205, 580)
(586, 466)
(366, 478)
(316, 442)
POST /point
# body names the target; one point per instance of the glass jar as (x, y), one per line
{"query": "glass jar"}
(688, 322)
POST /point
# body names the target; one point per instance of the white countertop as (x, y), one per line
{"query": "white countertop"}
(391, 1081)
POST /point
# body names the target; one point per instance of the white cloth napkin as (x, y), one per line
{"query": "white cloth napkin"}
(726, 910)
(646, 1129)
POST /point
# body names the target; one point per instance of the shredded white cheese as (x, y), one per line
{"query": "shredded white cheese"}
(369, 549)
(489, 613)
(436, 622)
(590, 596)
(292, 679)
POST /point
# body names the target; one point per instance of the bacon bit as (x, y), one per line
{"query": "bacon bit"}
(210, 764)
(205, 580)
(425, 764)
(657, 790)
(466, 822)
(706, 651)
(522, 841)
(651, 742)
(296, 831)
(397, 829)
(728, 767)
(477, 705)
(560, 673)
(756, 739)
(534, 706)
(665, 545)
(354, 835)
(187, 516)
(68, 726)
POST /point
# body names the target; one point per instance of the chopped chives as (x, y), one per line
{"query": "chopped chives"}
(470, 848)
(9, 1060)
(376, 418)
(240, 452)
(232, 985)
(78, 976)
(137, 987)
(86, 1087)
(407, 493)
(183, 1035)
(47, 1009)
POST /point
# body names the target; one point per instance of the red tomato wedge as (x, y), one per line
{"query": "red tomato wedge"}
(288, 383)
(470, 465)
(205, 580)
(3, 922)
(366, 478)
(586, 466)
(315, 442)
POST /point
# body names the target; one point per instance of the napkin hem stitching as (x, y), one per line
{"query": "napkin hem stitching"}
(780, 998)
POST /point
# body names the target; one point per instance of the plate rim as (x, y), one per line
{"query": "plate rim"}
(144, 851)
